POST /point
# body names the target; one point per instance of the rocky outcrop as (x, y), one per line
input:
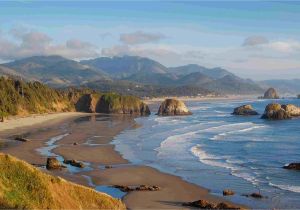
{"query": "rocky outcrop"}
(53, 163)
(74, 163)
(256, 195)
(293, 110)
(281, 112)
(173, 107)
(271, 93)
(86, 103)
(116, 104)
(228, 192)
(124, 188)
(244, 110)
(203, 204)
(292, 166)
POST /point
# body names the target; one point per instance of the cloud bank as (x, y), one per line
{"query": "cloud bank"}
(23, 44)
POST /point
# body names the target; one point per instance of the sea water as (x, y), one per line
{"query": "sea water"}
(217, 150)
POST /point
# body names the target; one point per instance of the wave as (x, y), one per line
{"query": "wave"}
(175, 142)
(290, 188)
(209, 159)
(243, 130)
(212, 160)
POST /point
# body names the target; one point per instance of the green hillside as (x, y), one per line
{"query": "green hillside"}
(23, 186)
(21, 98)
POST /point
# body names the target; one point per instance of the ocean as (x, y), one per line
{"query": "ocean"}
(217, 150)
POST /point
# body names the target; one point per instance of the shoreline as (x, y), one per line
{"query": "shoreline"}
(200, 98)
(174, 191)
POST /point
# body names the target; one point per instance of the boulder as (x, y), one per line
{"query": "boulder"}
(244, 110)
(293, 110)
(292, 166)
(74, 163)
(19, 138)
(53, 163)
(271, 93)
(281, 112)
(275, 112)
(256, 195)
(203, 204)
(173, 107)
(228, 192)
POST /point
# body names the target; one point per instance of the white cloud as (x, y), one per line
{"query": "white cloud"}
(140, 37)
(29, 43)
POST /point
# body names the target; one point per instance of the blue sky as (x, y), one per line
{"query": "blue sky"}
(251, 38)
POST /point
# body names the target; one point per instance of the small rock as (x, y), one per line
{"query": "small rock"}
(74, 163)
(244, 110)
(255, 195)
(75, 143)
(19, 138)
(228, 192)
(53, 163)
(108, 166)
(203, 204)
(292, 166)
(123, 188)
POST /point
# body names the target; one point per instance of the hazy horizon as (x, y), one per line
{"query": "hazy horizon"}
(257, 40)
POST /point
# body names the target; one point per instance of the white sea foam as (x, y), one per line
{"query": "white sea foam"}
(232, 165)
(237, 131)
(209, 159)
(295, 189)
(175, 142)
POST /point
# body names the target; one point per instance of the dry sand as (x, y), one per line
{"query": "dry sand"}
(99, 132)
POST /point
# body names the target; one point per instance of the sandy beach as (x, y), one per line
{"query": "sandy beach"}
(92, 136)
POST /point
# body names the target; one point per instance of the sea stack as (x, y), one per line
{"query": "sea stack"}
(244, 110)
(281, 112)
(271, 93)
(116, 104)
(171, 107)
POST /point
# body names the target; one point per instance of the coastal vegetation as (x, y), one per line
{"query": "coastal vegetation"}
(23, 98)
(26, 187)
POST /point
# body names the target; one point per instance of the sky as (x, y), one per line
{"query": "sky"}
(253, 39)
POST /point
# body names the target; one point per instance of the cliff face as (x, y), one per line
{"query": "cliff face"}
(26, 187)
(173, 107)
(271, 93)
(87, 103)
(117, 104)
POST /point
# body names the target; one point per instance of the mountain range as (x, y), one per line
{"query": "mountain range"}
(128, 73)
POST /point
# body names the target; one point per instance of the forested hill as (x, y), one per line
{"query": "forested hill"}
(23, 98)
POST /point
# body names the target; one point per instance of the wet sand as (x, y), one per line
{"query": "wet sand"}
(93, 136)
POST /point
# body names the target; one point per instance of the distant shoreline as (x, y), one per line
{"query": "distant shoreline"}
(199, 98)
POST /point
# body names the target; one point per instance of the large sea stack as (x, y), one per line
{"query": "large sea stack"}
(271, 93)
(281, 112)
(117, 104)
(172, 107)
